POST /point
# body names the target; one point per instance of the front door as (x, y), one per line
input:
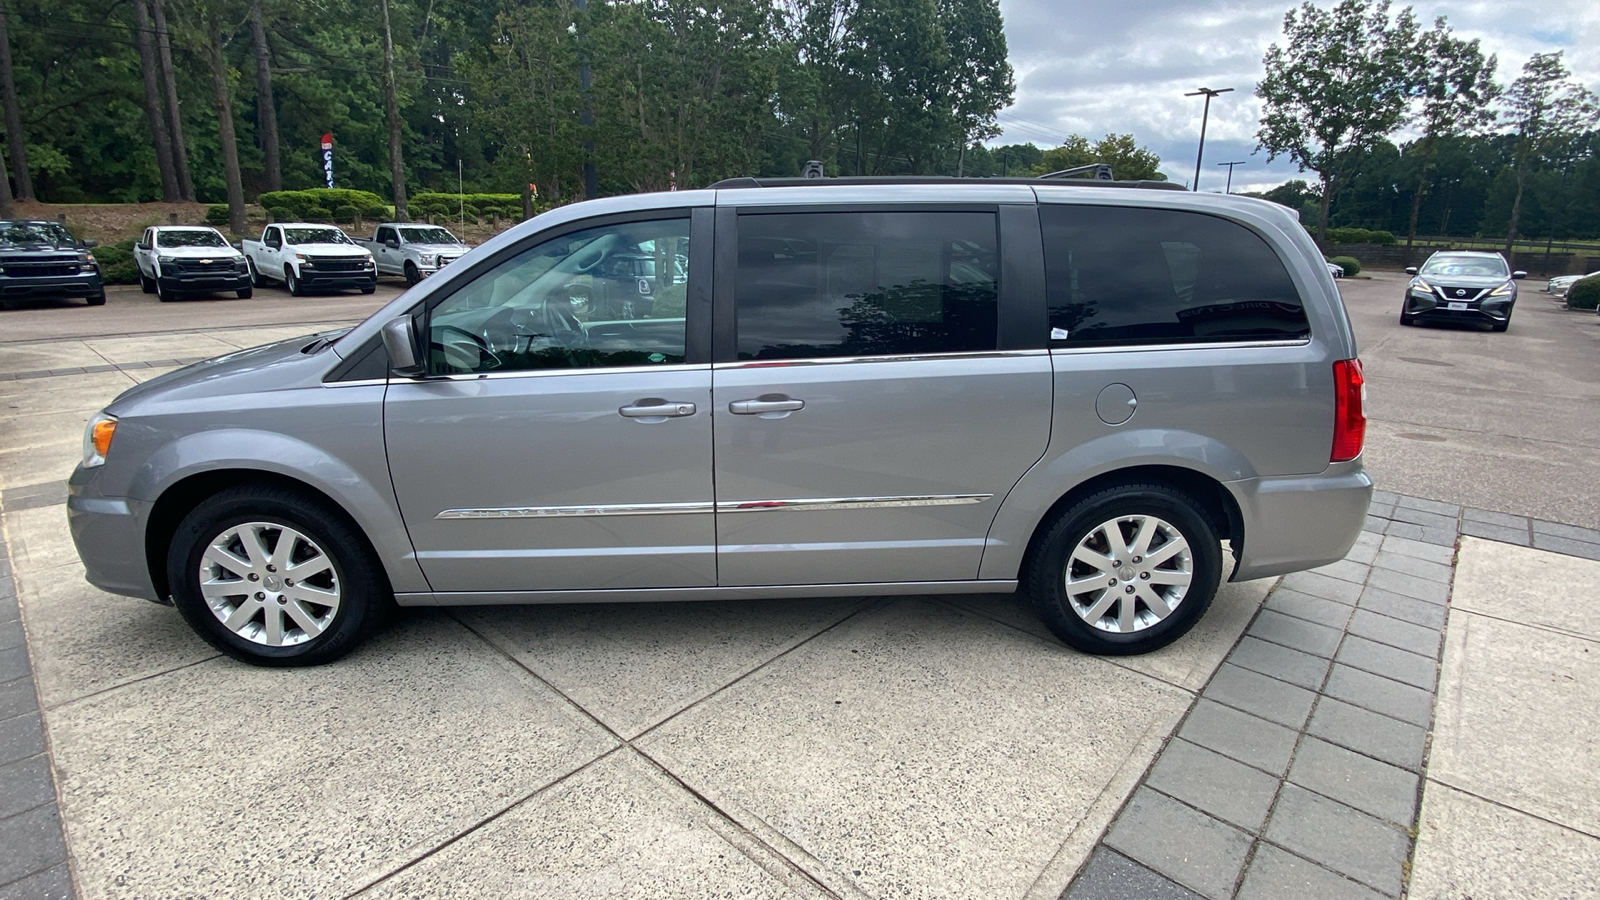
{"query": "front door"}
(551, 449)
(868, 426)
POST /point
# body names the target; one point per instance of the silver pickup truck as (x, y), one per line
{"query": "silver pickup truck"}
(415, 251)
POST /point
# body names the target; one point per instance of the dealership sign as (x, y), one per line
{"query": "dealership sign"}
(327, 157)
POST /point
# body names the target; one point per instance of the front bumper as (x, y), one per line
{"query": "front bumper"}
(209, 281)
(312, 278)
(52, 286)
(109, 534)
(1300, 522)
(1489, 310)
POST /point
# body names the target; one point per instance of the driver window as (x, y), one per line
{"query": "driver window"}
(607, 296)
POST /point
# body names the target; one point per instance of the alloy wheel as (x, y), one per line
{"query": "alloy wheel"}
(269, 584)
(1129, 573)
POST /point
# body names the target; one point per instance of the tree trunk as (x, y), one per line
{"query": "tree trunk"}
(230, 141)
(391, 108)
(1416, 209)
(151, 70)
(1516, 216)
(8, 209)
(180, 157)
(1322, 210)
(13, 116)
(266, 104)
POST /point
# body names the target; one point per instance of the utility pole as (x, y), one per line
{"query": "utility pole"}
(1204, 115)
(1230, 165)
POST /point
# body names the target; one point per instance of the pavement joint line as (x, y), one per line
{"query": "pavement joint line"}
(1511, 809)
(125, 334)
(95, 370)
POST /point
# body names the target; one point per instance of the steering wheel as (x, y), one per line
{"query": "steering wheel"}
(480, 358)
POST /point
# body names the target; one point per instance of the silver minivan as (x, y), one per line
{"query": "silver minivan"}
(1092, 393)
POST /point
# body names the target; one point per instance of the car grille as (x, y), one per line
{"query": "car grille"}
(341, 263)
(446, 260)
(201, 266)
(18, 268)
(1452, 292)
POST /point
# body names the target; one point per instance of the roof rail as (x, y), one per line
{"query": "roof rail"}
(869, 180)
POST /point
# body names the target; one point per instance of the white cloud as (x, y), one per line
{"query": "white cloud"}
(1099, 68)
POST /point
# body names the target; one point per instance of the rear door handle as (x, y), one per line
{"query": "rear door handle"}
(766, 404)
(656, 408)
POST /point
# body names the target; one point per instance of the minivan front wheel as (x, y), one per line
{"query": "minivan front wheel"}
(274, 578)
(1126, 570)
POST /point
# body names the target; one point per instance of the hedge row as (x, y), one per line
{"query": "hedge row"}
(116, 262)
(1585, 294)
(1359, 236)
(481, 206)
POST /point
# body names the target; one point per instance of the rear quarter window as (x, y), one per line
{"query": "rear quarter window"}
(1120, 276)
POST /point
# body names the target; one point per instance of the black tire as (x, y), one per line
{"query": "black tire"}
(292, 283)
(370, 290)
(97, 299)
(255, 277)
(164, 293)
(245, 293)
(1044, 576)
(147, 285)
(1501, 326)
(365, 597)
(1407, 320)
(412, 275)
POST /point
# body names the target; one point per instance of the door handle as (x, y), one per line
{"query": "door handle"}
(767, 403)
(654, 408)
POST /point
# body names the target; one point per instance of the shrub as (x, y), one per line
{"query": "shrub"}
(116, 262)
(300, 203)
(217, 214)
(1350, 264)
(377, 212)
(280, 213)
(346, 212)
(316, 213)
(1585, 294)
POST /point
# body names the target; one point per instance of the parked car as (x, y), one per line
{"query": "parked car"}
(414, 251)
(309, 258)
(43, 259)
(1076, 390)
(180, 259)
(1461, 286)
(1336, 270)
(1561, 284)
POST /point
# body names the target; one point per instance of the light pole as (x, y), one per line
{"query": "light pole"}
(1230, 165)
(1208, 93)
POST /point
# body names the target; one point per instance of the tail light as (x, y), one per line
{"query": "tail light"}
(1349, 410)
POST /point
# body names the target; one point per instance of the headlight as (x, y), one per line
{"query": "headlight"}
(97, 439)
(166, 260)
(369, 263)
(1504, 290)
(1421, 287)
(429, 259)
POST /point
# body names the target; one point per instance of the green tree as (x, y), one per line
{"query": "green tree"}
(1340, 84)
(1128, 160)
(1548, 111)
(1456, 90)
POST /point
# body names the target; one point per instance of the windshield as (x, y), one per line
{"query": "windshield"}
(428, 235)
(22, 233)
(315, 236)
(1478, 266)
(195, 238)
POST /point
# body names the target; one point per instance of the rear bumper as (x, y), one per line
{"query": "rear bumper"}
(52, 286)
(1300, 521)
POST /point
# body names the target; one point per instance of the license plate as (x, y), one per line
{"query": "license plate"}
(1454, 305)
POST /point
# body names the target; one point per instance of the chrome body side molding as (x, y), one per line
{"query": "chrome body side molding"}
(661, 509)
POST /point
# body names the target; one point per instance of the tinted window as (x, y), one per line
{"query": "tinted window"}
(866, 284)
(385, 235)
(1151, 276)
(583, 299)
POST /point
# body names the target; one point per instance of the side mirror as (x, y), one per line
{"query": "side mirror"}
(91, 242)
(392, 245)
(1411, 270)
(145, 247)
(400, 340)
(1519, 274)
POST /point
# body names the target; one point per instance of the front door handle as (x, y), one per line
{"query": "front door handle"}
(656, 409)
(766, 403)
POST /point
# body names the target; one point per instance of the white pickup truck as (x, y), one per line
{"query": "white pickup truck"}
(415, 251)
(308, 257)
(178, 259)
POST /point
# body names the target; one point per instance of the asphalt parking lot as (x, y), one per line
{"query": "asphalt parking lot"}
(858, 747)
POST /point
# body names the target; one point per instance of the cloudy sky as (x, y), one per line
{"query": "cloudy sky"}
(1095, 67)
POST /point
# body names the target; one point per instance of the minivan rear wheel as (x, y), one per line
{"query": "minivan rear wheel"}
(1126, 570)
(273, 577)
